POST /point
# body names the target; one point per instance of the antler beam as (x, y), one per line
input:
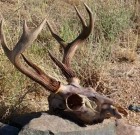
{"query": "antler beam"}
(26, 39)
(70, 48)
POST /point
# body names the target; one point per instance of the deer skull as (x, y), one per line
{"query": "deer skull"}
(85, 103)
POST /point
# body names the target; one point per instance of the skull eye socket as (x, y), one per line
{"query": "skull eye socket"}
(74, 101)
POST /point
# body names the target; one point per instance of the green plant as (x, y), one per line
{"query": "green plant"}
(112, 20)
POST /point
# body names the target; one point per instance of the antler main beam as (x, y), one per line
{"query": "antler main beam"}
(70, 48)
(26, 39)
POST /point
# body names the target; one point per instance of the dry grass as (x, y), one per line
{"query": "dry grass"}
(108, 61)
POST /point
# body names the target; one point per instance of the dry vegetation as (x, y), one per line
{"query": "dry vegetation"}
(109, 61)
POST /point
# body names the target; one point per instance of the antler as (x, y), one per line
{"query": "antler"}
(85, 103)
(70, 48)
(26, 39)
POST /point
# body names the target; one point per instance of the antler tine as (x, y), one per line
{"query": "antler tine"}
(91, 25)
(80, 17)
(35, 73)
(3, 40)
(65, 70)
(58, 38)
(27, 38)
(72, 47)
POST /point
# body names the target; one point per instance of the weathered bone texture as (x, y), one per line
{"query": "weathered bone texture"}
(84, 103)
